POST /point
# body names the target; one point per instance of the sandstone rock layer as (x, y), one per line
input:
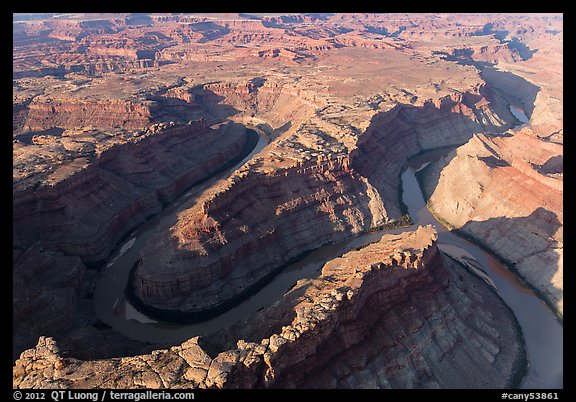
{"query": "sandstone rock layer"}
(514, 204)
(395, 314)
(78, 216)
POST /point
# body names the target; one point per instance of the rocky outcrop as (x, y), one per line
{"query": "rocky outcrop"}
(272, 102)
(390, 315)
(84, 214)
(45, 113)
(323, 177)
(512, 204)
(208, 258)
(493, 53)
(231, 240)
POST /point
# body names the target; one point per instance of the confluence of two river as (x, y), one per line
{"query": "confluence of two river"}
(543, 334)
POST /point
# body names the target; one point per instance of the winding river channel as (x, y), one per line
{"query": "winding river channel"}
(543, 334)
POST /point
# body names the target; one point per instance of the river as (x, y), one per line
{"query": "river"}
(542, 332)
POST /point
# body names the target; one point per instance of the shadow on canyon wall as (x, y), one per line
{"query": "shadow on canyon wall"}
(535, 232)
(511, 86)
(407, 130)
(553, 165)
(538, 228)
(211, 106)
(524, 51)
(26, 333)
(206, 104)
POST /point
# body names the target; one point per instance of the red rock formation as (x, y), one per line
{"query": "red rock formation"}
(208, 257)
(211, 256)
(45, 113)
(85, 213)
(357, 325)
(513, 205)
(273, 102)
(324, 178)
(405, 130)
(488, 53)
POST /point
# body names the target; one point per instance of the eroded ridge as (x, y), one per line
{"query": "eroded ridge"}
(114, 115)
(305, 190)
(395, 313)
(82, 209)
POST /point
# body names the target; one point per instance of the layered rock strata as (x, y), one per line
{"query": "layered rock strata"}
(78, 216)
(208, 257)
(512, 204)
(85, 212)
(406, 130)
(45, 113)
(394, 314)
(238, 236)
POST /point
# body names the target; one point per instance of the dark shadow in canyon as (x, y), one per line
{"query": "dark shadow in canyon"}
(211, 106)
(204, 103)
(210, 30)
(524, 51)
(539, 228)
(488, 29)
(514, 43)
(541, 223)
(27, 136)
(408, 130)
(553, 165)
(26, 335)
(510, 86)
(407, 143)
(104, 343)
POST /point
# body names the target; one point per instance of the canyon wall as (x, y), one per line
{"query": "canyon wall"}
(86, 213)
(46, 290)
(406, 130)
(394, 314)
(272, 103)
(512, 202)
(232, 239)
(208, 258)
(44, 113)
(80, 218)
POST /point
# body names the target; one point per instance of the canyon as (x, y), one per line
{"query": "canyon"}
(309, 327)
(218, 150)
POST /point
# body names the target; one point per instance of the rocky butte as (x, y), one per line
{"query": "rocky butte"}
(198, 156)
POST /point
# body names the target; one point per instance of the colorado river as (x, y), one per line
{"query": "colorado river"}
(542, 332)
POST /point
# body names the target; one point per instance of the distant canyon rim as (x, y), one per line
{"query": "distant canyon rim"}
(193, 158)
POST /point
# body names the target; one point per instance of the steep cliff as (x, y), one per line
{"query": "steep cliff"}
(395, 314)
(84, 213)
(512, 204)
(45, 113)
(80, 216)
(307, 190)
(247, 229)
(405, 130)
(46, 290)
